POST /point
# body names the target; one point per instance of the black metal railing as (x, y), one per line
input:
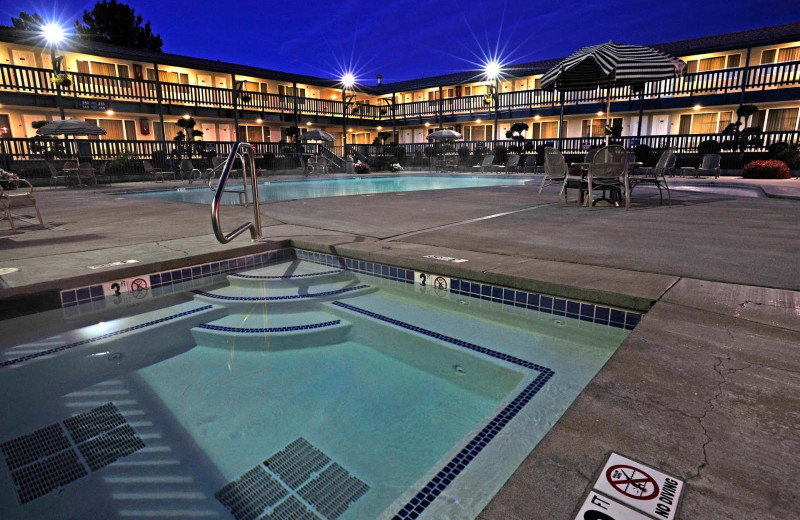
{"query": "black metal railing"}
(38, 81)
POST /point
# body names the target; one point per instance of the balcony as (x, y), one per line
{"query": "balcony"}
(144, 93)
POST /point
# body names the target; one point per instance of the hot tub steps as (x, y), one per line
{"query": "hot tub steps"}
(255, 329)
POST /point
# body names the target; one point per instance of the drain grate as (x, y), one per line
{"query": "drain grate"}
(332, 491)
(33, 446)
(94, 422)
(290, 509)
(249, 495)
(296, 462)
(42, 477)
(105, 449)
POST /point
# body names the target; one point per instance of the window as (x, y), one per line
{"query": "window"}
(780, 55)
(253, 134)
(115, 129)
(708, 123)
(714, 63)
(768, 56)
(5, 126)
(168, 76)
(781, 119)
(479, 132)
(169, 131)
(596, 127)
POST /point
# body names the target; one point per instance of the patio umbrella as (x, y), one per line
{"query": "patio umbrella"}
(67, 127)
(70, 127)
(317, 135)
(440, 135)
(611, 65)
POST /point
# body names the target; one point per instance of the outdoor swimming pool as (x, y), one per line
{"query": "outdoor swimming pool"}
(323, 388)
(307, 189)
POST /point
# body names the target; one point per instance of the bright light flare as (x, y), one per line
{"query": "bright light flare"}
(492, 69)
(348, 80)
(53, 33)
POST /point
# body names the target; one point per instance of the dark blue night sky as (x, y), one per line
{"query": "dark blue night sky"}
(408, 39)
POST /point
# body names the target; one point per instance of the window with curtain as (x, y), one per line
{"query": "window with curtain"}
(781, 119)
(550, 130)
(5, 126)
(704, 123)
(685, 125)
(103, 69)
(255, 134)
(789, 54)
(171, 131)
(768, 56)
(724, 120)
(130, 130)
(715, 63)
(596, 127)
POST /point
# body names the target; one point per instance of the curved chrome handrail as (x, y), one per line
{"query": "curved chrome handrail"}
(247, 156)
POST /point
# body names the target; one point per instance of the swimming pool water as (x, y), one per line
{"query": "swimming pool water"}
(397, 390)
(305, 189)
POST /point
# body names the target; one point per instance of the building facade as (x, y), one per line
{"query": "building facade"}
(139, 98)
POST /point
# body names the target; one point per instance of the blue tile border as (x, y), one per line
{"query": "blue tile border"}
(417, 505)
(576, 309)
(277, 298)
(166, 281)
(241, 330)
(68, 346)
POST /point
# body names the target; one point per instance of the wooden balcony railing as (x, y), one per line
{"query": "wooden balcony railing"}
(38, 81)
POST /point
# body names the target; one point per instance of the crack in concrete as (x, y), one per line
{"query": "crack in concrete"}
(185, 253)
(722, 372)
(570, 470)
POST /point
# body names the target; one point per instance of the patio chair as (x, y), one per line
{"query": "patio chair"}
(485, 163)
(655, 176)
(555, 172)
(710, 165)
(576, 175)
(18, 200)
(188, 171)
(510, 165)
(100, 169)
(55, 175)
(608, 171)
(86, 173)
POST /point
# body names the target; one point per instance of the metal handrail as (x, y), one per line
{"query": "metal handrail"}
(241, 151)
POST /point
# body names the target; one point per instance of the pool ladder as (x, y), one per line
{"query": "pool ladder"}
(245, 153)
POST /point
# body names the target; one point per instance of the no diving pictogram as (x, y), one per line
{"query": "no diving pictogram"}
(632, 482)
(440, 282)
(139, 288)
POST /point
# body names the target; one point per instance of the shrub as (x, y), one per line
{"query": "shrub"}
(766, 170)
(786, 152)
(160, 159)
(707, 147)
(528, 146)
(6, 160)
(430, 151)
(642, 153)
(463, 152)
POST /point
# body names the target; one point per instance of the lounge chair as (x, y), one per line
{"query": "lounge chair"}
(555, 172)
(530, 164)
(485, 163)
(18, 200)
(710, 165)
(155, 172)
(655, 176)
(510, 165)
(608, 171)
(55, 175)
(86, 173)
(188, 171)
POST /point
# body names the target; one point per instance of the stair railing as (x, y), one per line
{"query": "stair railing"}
(245, 153)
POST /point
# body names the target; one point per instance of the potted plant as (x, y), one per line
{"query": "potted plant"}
(63, 79)
(361, 167)
(246, 98)
(487, 99)
(8, 180)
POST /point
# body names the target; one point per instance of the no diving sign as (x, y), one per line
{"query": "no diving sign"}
(640, 487)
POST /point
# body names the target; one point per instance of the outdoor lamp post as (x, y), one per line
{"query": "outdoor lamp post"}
(493, 70)
(348, 80)
(54, 34)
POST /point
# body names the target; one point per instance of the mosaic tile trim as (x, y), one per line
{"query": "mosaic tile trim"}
(68, 346)
(389, 272)
(452, 469)
(589, 312)
(263, 330)
(45, 460)
(278, 298)
(579, 310)
(287, 277)
(163, 279)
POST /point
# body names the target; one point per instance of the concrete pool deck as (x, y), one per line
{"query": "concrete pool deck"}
(706, 388)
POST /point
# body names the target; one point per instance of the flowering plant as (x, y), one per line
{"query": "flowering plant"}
(770, 169)
(8, 176)
(361, 167)
(63, 79)
(395, 167)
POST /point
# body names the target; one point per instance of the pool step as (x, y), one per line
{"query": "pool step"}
(289, 274)
(254, 329)
(246, 295)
